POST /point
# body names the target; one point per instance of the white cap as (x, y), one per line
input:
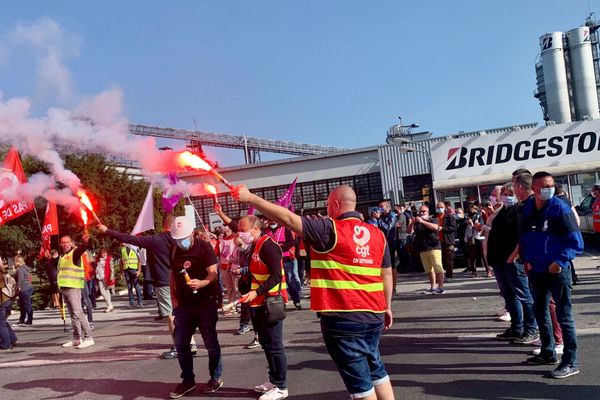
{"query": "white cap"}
(182, 227)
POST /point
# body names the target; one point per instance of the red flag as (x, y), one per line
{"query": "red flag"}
(11, 176)
(50, 226)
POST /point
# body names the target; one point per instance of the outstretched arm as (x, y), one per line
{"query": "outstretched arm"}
(272, 211)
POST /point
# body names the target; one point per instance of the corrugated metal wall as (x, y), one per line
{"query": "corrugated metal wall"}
(396, 164)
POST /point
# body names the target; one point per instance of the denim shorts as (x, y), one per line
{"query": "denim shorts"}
(354, 347)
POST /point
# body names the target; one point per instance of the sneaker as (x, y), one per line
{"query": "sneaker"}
(508, 335)
(253, 344)
(298, 307)
(139, 305)
(501, 311)
(539, 360)
(564, 372)
(193, 348)
(71, 343)
(537, 342)
(168, 355)
(438, 291)
(274, 394)
(428, 291)
(264, 387)
(243, 329)
(18, 324)
(559, 350)
(108, 309)
(85, 343)
(504, 317)
(527, 338)
(213, 385)
(182, 389)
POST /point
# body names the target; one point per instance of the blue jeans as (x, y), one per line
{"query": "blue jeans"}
(544, 285)
(270, 336)
(133, 282)
(291, 277)
(354, 347)
(25, 306)
(91, 291)
(7, 336)
(187, 319)
(87, 302)
(514, 287)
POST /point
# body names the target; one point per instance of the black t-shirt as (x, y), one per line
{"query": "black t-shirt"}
(504, 235)
(195, 261)
(425, 238)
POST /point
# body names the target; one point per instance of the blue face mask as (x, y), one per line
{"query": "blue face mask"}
(184, 244)
(509, 201)
(547, 193)
(440, 210)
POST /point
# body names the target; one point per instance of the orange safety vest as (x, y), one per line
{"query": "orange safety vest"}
(260, 273)
(347, 278)
(596, 214)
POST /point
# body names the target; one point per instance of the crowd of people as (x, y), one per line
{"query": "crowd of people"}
(526, 236)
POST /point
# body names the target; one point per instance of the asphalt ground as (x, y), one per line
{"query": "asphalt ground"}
(440, 347)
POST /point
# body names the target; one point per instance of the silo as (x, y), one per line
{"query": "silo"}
(583, 80)
(555, 77)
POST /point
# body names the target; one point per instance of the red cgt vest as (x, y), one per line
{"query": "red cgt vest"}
(260, 273)
(347, 278)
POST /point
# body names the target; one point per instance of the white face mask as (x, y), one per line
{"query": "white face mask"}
(273, 226)
(246, 237)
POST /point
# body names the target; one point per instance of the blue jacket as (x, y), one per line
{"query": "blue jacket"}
(549, 234)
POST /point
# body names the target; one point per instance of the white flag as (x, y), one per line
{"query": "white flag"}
(145, 220)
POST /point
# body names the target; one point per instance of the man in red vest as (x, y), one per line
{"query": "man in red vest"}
(351, 286)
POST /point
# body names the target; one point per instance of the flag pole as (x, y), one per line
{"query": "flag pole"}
(196, 211)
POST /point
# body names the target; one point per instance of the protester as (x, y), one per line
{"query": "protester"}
(549, 238)
(71, 282)
(50, 266)
(227, 248)
(403, 265)
(86, 297)
(25, 290)
(503, 256)
(596, 214)
(474, 242)
(105, 277)
(427, 244)
(386, 221)
(158, 248)
(131, 269)
(267, 272)
(352, 318)
(8, 292)
(196, 297)
(147, 284)
(447, 234)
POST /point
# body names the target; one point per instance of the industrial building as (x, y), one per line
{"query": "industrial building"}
(458, 168)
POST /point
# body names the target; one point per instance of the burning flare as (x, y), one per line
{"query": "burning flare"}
(85, 200)
(187, 159)
(84, 216)
(210, 188)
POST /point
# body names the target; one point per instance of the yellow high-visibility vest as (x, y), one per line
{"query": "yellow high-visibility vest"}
(70, 275)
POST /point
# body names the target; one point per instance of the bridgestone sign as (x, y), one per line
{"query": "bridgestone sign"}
(487, 158)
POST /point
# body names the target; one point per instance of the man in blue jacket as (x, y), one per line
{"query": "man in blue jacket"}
(548, 239)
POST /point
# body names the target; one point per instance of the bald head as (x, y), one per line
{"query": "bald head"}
(342, 199)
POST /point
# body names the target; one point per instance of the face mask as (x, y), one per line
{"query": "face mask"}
(493, 201)
(273, 226)
(547, 193)
(246, 237)
(440, 210)
(509, 201)
(381, 210)
(460, 216)
(184, 244)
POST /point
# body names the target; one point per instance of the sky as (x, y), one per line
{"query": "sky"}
(329, 72)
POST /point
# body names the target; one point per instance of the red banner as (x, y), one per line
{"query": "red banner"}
(11, 176)
(50, 226)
